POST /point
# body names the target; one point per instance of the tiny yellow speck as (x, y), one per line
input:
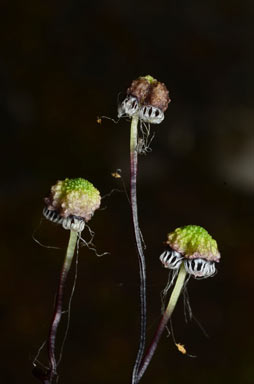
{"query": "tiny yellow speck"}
(181, 348)
(116, 175)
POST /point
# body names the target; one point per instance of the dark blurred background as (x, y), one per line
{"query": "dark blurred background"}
(62, 64)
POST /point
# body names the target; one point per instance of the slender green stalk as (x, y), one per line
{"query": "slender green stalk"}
(59, 304)
(141, 257)
(169, 310)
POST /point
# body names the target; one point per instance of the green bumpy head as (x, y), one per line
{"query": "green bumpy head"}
(194, 242)
(77, 197)
(149, 78)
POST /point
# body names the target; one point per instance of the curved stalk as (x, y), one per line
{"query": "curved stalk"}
(169, 310)
(58, 306)
(141, 257)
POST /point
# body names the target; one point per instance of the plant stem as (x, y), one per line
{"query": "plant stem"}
(59, 304)
(169, 310)
(141, 257)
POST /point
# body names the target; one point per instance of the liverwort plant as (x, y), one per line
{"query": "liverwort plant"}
(190, 251)
(71, 203)
(146, 101)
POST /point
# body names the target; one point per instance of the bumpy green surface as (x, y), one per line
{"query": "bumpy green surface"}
(193, 241)
(79, 184)
(76, 197)
(150, 79)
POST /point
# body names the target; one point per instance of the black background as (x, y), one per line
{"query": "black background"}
(62, 64)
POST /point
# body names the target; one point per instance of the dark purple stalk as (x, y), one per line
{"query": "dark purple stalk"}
(141, 257)
(58, 308)
(165, 318)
